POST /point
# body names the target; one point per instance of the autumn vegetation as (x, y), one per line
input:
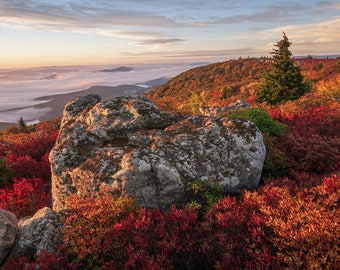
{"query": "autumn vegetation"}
(292, 221)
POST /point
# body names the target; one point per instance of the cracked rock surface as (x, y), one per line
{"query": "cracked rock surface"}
(128, 145)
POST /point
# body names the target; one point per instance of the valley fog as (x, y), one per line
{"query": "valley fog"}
(21, 88)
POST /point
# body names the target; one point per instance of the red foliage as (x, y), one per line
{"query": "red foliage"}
(322, 119)
(216, 95)
(27, 167)
(171, 240)
(313, 153)
(26, 196)
(241, 235)
(281, 226)
(304, 222)
(312, 141)
(46, 261)
(33, 144)
(108, 233)
(332, 184)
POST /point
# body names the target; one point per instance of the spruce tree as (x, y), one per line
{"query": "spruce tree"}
(22, 127)
(284, 82)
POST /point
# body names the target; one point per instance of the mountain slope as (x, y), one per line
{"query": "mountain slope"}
(222, 83)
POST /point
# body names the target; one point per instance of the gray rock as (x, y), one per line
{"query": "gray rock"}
(38, 233)
(236, 105)
(8, 232)
(128, 145)
(215, 111)
(212, 111)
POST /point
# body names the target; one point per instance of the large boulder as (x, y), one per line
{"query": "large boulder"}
(38, 233)
(8, 232)
(128, 145)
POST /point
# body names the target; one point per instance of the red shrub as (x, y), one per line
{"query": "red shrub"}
(150, 239)
(46, 261)
(332, 184)
(312, 153)
(94, 229)
(110, 233)
(322, 119)
(241, 235)
(172, 240)
(26, 196)
(33, 144)
(312, 141)
(281, 226)
(27, 167)
(304, 223)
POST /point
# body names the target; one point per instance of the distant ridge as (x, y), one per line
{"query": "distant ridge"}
(155, 82)
(118, 69)
(331, 56)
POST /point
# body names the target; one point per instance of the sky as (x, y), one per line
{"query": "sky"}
(92, 32)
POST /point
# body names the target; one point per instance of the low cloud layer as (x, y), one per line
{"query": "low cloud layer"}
(20, 87)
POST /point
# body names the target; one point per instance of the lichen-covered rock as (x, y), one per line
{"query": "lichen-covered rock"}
(130, 146)
(38, 233)
(8, 232)
(215, 111)
(241, 103)
(212, 111)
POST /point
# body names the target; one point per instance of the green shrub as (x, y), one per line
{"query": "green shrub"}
(262, 120)
(6, 172)
(275, 164)
(206, 194)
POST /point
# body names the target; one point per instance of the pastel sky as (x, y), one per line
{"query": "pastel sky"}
(86, 32)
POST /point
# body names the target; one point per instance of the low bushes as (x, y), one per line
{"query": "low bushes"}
(283, 225)
(25, 196)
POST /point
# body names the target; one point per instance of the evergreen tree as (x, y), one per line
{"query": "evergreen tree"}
(285, 81)
(22, 127)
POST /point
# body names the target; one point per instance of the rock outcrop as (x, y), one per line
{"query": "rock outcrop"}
(241, 103)
(29, 237)
(8, 232)
(38, 233)
(212, 111)
(128, 145)
(215, 111)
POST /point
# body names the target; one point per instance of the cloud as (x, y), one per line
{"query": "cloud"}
(130, 34)
(269, 13)
(315, 38)
(75, 16)
(192, 54)
(326, 31)
(160, 41)
(79, 15)
(276, 12)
